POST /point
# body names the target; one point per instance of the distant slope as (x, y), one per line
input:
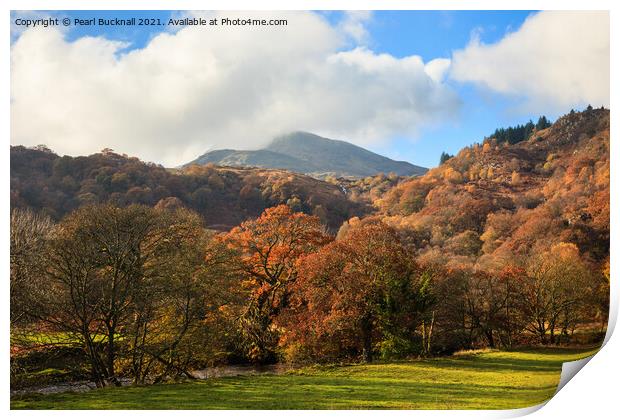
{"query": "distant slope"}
(314, 155)
(223, 196)
(255, 158)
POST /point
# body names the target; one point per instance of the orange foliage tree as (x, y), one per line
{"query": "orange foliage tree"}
(266, 253)
(358, 294)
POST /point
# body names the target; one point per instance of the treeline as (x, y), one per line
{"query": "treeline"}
(521, 132)
(149, 294)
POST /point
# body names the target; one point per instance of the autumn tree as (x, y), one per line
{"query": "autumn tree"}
(359, 294)
(117, 278)
(267, 251)
(492, 302)
(453, 176)
(172, 327)
(479, 307)
(600, 295)
(554, 291)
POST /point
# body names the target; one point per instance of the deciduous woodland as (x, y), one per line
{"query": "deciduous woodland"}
(125, 270)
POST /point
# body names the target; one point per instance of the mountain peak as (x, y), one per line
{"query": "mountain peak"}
(308, 153)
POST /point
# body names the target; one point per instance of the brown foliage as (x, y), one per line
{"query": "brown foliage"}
(350, 292)
(267, 252)
(224, 197)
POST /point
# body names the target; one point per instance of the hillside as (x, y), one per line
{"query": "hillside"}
(223, 196)
(491, 201)
(494, 201)
(313, 155)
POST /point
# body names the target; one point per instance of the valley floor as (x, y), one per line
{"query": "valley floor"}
(476, 380)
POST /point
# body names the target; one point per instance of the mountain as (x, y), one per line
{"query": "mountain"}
(313, 155)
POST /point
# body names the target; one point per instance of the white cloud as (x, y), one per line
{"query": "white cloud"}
(555, 61)
(202, 87)
(354, 25)
(437, 68)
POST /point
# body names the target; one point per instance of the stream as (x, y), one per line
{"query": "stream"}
(208, 373)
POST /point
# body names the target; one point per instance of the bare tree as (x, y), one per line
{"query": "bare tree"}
(555, 290)
(30, 233)
(125, 282)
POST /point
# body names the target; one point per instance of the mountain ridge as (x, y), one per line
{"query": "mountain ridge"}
(313, 155)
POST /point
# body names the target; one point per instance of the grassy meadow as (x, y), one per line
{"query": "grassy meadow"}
(474, 380)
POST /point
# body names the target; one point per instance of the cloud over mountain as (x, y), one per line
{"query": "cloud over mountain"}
(234, 87)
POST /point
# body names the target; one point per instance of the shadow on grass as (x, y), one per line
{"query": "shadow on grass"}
(512, 364)
(308, 393)
(496, 380)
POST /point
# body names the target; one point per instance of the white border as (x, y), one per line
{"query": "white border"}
(592, 395)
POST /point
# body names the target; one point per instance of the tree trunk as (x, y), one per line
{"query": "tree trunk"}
(97, 371)
(111, 356)
(430, 334)
(508, 322)
(367, 339)
(552, 332)
(423, 337)
(542, 330)
(489, 334)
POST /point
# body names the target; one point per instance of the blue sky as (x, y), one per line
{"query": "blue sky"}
(400, 34)
(433, 34)
(429, 34)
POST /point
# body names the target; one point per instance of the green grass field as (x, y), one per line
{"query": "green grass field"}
(484, 380)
